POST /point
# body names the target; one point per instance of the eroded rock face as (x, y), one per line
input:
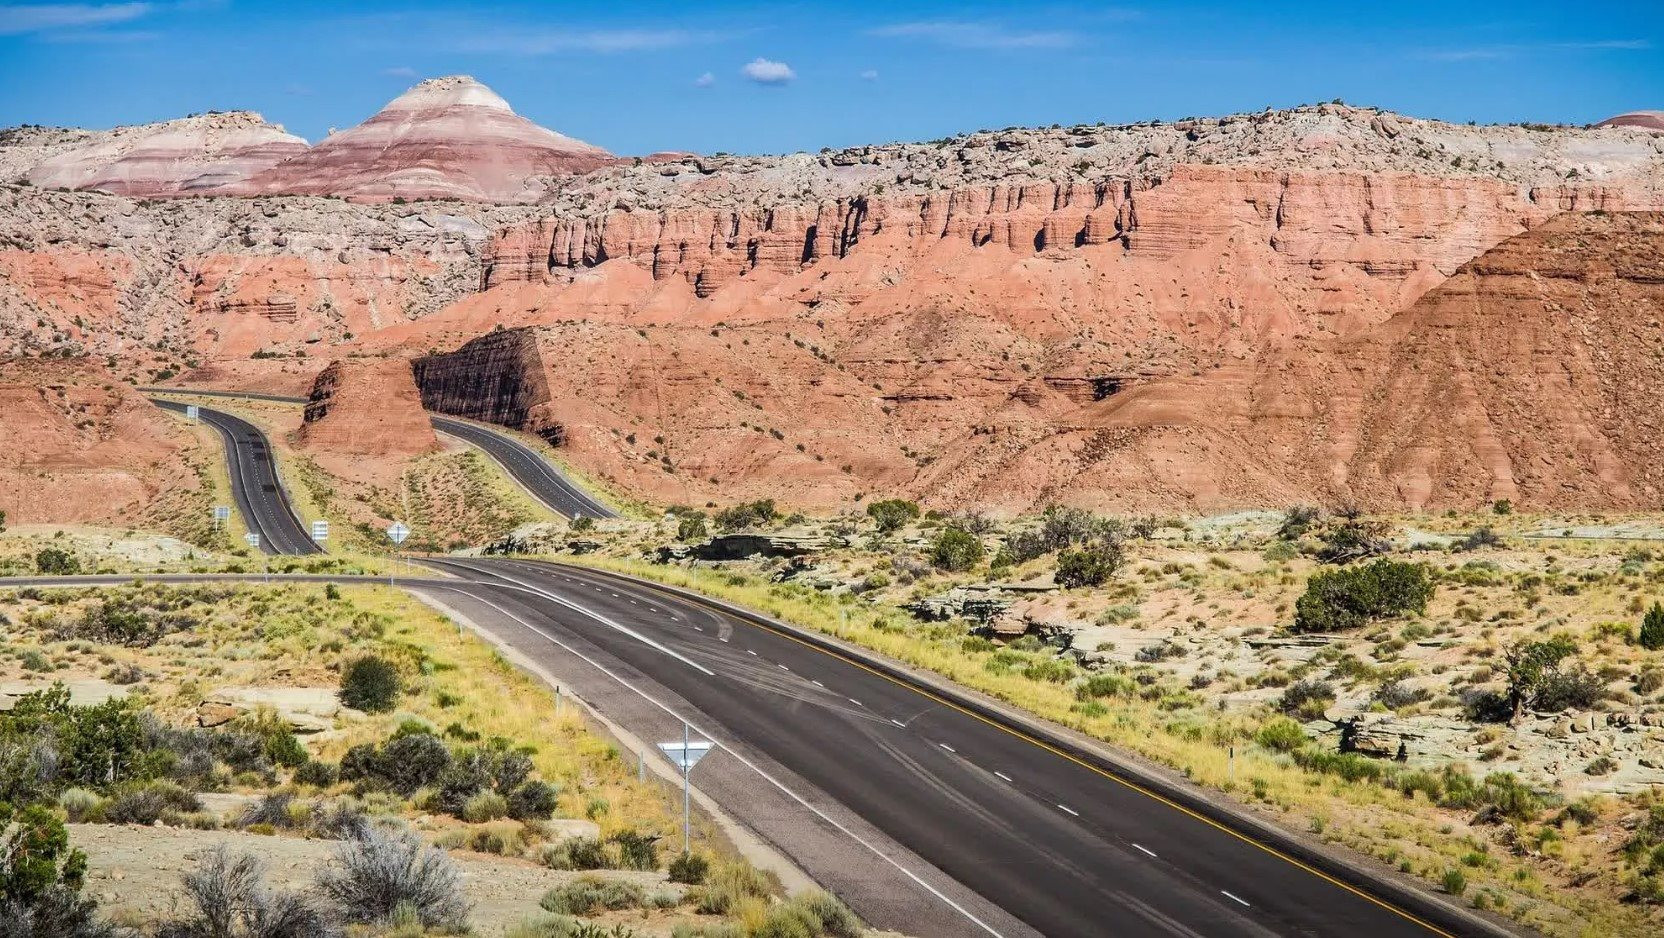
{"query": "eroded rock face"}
(446, 138)
(366, 407)
(77, 446)
(1642, 120)
(192, 155)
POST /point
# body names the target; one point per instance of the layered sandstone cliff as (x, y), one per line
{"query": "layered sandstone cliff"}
(366, 407)
(78, 446)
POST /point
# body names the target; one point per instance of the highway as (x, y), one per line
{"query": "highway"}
(255, 485)
(928, 812)
(525, 465)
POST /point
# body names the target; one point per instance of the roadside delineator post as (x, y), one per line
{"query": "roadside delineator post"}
(685, 755)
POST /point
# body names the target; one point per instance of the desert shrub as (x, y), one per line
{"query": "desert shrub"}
(41, 877)
(588, 894)
(1306, 699)
(1455, 881)
(576, 853)
(1160, 651)
(378, 875)
(148, 803)
(271, 810)
(1278, 551)
(1481, 537)
(955, 550)
(749, 515)
(1652, 628)
(1297, 520)
(809, 915)
(1091, 565)
(1105, 685)
(1281, 734)
(412, 762)
(691, 527)
(1396, 695)
(1354, 538)
(636, 851)
(370, 684)
(1538, 677)
(485, 806)
(319, 774)
(532, 801)
(728, 885)
(232, 900)
(892, 514)
(1338, 600)
(1050, 670)
(79, 804)
(277, 741)
(689, 868)
(55, 561)
(1569, 688)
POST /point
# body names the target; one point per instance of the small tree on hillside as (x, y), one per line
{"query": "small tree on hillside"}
(955, 550)
(55, 561)
(892, 514)
(1652, 628)
(691, 527)
(370, 684)
(1530, 667)
(1091, 565)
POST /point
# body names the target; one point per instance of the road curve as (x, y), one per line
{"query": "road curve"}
(255, 485)
(544, 480)
(1065, 846)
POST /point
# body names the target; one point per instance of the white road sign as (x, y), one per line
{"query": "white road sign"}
(686, 755)
(397, 532)
(320, 531)
(193, 412)
(253, 540)
(222, 514)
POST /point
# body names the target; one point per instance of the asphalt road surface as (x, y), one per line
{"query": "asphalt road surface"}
(924, 816)
(1060, 845)
(255, 486)
(527, 466)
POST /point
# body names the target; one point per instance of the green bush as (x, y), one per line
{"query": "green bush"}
(55, 561)
(532, 801)
(1652, 628)
(636, 851)
(892, 514)
(749, 515)
(955, 550)
(1338, 600)
(689, 868)
(371, 684)
(1281, 734)
(41, 878)
(1306, 699)
(485, 806)
(691, 528)
(1091, 565)
(588, 894)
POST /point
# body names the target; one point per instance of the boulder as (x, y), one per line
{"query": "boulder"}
(304, 709)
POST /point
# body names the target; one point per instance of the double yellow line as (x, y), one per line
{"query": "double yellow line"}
(1042, 744)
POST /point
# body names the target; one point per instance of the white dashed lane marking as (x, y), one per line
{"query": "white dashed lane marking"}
(1143, 848)
(1070, 810)
(1003, 775)
(948, 748)
(1235, 898)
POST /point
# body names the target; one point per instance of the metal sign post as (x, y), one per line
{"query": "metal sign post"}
(685, 755)
(396, 532)
(253, 539)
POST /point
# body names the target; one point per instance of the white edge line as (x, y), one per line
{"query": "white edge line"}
(1069, 809)
(1237, 898)
(1144, 849)
(737, 757)
(948, 748)
(1003, 775)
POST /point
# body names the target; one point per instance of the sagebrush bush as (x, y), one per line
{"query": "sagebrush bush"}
(371, 684)
(533, 801)
(232, 900)
(588, 894)
(689, 868)
(576, 853)
(378, 874)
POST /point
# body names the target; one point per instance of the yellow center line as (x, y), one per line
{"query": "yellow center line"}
(1026, 737)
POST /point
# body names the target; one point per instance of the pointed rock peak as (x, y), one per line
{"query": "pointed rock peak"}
(450, 91)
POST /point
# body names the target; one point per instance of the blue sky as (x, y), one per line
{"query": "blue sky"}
(774, 77)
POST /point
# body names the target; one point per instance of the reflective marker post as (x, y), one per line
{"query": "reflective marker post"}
(396, 532)
(685, 755)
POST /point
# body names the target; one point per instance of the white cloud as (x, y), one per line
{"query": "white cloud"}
(16, 20)
(1516, 50)
(870, 74)
(768, 72)
(704, 81)
(972, 35)
(606, 42)
(399, 71)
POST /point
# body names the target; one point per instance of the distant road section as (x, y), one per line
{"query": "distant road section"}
(255, 485)
(526, 465)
